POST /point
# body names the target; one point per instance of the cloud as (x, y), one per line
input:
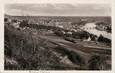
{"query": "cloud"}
(59, 9)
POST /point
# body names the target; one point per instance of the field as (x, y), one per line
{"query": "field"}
(56, 43)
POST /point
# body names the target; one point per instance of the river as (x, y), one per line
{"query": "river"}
(90, 27)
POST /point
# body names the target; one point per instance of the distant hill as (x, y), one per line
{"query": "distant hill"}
(106, 19)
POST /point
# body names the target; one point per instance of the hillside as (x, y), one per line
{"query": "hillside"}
(39, 46)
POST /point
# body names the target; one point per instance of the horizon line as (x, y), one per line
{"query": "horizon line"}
(62, 15)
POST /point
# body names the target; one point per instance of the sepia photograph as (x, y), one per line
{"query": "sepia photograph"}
(58, 36)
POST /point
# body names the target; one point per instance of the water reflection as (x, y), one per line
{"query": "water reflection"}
(91, 28)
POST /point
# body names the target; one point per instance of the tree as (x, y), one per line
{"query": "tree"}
(97, 62)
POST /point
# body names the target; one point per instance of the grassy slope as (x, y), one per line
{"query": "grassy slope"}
(27, 50)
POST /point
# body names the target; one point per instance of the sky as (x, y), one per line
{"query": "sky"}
(78, 8)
